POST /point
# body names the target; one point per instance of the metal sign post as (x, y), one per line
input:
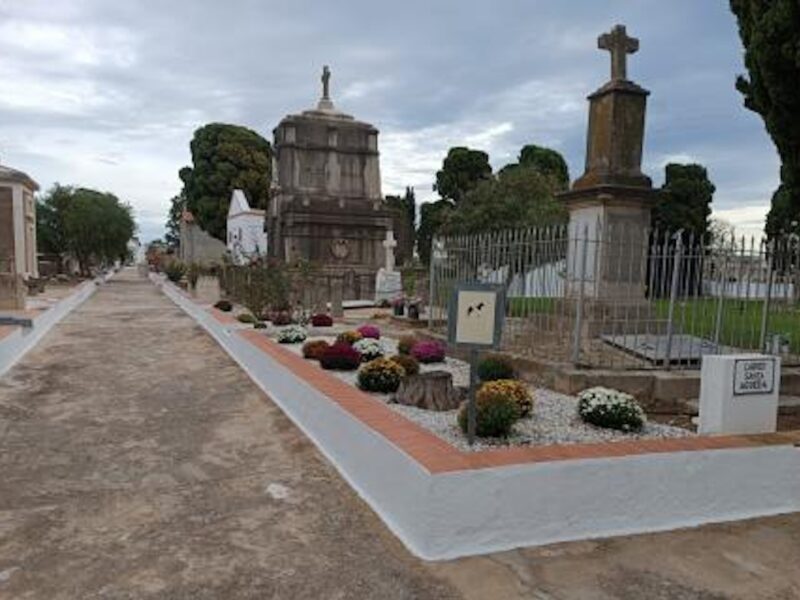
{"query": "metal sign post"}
(475, 322)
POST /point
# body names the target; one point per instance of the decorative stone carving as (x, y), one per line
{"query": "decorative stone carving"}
(340, 249)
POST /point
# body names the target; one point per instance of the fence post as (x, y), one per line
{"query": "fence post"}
(431, 283)
(767, 297)
(576, 340)
(673, 294)
(721, 298)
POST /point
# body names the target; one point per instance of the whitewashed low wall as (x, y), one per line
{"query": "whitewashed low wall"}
(14, 346)
(479, 511)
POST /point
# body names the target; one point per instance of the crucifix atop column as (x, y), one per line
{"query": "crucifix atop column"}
(326, 81)
(619, 45)
(325, 102)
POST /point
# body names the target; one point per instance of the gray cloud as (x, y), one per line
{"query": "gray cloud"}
(108, 94)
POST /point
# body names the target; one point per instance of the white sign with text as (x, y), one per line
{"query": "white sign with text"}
(753, 376)
(739, 393)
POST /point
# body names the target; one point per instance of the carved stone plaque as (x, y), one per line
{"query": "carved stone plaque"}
(340, 249)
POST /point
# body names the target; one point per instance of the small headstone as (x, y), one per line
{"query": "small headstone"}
(739, 393)
(388, 282)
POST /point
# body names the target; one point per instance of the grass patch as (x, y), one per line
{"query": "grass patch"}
(741, 319)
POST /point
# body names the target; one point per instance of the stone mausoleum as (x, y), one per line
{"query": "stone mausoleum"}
(326, 205)
(18, 259)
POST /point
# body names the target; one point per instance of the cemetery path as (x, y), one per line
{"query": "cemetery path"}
(138, 461)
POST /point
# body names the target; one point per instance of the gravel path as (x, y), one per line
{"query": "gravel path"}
(554, 420)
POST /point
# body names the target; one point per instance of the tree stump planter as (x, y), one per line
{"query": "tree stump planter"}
(432, 391)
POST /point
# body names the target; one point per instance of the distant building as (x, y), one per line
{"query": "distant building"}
(137, 251)
(18, 223)
(197, 246)
(246, 235)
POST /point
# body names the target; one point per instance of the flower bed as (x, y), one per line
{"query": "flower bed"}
(554, 417)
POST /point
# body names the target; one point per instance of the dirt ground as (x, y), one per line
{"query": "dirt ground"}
(137, 461)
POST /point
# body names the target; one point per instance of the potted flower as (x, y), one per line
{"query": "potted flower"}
(398, 306)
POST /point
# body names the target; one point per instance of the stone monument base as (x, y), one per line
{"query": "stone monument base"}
(388, 285)
(12, 292)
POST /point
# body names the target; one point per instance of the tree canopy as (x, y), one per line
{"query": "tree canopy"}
(520, 197)
(685, 202)
(770, 33)
(224, 158)
(173, 225)
(545, 161)
(522, 194)
(432, 216)
(462, 169)
(95, 227)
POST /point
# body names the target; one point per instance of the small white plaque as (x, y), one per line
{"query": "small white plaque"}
(754, 376)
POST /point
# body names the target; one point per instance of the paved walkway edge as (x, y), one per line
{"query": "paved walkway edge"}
(14, 346)
(449, 515)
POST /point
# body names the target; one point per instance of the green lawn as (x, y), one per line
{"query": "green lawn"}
(521, 307)
(741, 322)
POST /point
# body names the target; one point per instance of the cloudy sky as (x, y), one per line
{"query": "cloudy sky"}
(107, 94)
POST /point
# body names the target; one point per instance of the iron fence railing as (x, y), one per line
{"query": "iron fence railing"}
(629, 298)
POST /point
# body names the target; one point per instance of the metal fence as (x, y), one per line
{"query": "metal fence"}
(629, 298)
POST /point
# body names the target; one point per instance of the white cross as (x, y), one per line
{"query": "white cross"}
(390, 244)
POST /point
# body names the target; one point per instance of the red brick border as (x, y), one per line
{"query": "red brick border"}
(222, 317)
(437, 456)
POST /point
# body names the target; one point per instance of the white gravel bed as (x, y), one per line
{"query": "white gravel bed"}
(554, 420)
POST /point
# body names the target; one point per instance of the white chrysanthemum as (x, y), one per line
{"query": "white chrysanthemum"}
(293, 334)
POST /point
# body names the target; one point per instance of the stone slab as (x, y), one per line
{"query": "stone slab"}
(685, 348)
(388, 285)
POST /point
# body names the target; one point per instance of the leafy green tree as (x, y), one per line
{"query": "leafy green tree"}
(685, 202)
(173, 226)
(462, 169)
(546, 161)
(405, 211)
(50, 234)
(433, 216)
(225, 157)
(519, 198)
(770, 33)
(94, 227)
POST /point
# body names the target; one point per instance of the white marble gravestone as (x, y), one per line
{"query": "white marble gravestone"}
(388, 282)
(739, 393)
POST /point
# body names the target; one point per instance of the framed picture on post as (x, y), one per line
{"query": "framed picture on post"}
(476, 314)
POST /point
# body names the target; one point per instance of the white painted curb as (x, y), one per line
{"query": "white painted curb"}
(14, 346)
(479, 511)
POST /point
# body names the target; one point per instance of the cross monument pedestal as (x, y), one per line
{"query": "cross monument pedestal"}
(610, 204)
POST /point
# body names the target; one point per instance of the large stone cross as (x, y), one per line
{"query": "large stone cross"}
(390, 244)
(619, 45)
